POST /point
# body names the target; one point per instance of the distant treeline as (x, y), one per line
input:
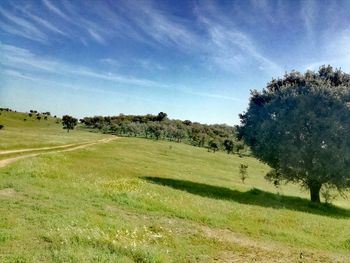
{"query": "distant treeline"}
(214, 137)
(7, 109)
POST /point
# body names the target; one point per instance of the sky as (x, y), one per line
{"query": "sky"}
(195, 60)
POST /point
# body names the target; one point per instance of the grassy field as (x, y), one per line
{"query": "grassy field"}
(32, 133)
(137, 200)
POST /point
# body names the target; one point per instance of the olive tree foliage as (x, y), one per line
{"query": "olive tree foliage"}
(161, 116)
(69, 122)
(161, 127)
(229, 145)
(213, 145)
(300, 126)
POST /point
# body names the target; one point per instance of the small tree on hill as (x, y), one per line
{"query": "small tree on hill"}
(69, 122)
(1, 126)
(243, 172)
(214, 145)
(228, 144)
(300, 126)
(161, 116)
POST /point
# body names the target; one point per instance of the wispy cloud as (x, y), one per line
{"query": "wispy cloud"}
(17, 74)
(213, 95)
(69, 23)
(336, 53)
(24, 60)
(230, 47)
(154, 26)
(219, 39)
(91, 20)
(56, 10)
(22, 63)
(308, 14)
(96, 36)
(46, 24)
(17, 32)
(55, 83)
(213, 36)
(110, 62)
(22, 27)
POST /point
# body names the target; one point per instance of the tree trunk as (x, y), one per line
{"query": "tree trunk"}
(315, 188)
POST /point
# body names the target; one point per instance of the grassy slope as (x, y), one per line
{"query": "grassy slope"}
(19, 134)
(147, 201)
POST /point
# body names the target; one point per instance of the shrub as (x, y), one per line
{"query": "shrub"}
(243, 172)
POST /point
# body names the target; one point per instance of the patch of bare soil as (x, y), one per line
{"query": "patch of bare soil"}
(7, 192)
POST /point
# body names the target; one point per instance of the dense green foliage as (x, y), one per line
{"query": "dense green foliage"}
(69, 122)
(300, 126)
(215, 137)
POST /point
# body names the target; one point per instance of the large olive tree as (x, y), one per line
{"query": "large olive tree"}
(300, 126)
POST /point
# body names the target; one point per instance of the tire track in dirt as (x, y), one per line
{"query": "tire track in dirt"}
(76, 146)
(41, 148)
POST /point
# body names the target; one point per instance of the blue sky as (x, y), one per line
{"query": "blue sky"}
(195, 60)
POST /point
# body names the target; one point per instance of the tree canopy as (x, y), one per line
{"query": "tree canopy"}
(300, 126)
(69, 122)
(161, 127)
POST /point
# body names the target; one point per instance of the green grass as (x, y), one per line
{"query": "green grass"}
(32, 133)
(137, 200)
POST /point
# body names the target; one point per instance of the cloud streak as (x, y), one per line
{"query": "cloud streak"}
(22, 63)
(24, 60)
(213, 36)
(56, 10)
(229, 47)
(21, 27)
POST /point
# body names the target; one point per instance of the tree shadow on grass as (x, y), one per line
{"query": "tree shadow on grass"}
(252, 197)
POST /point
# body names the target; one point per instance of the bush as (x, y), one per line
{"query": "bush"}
(243, 172)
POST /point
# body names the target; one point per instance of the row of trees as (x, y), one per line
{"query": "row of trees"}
(299, 125)
(214, 137)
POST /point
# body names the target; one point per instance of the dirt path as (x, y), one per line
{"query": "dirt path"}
(252, 250)
(41, 148)
(78, 146)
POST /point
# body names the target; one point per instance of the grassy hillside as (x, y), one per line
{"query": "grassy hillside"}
(32, 133)
(136, 200)
(148, 201)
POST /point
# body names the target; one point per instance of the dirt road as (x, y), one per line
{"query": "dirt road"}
(70, 147)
